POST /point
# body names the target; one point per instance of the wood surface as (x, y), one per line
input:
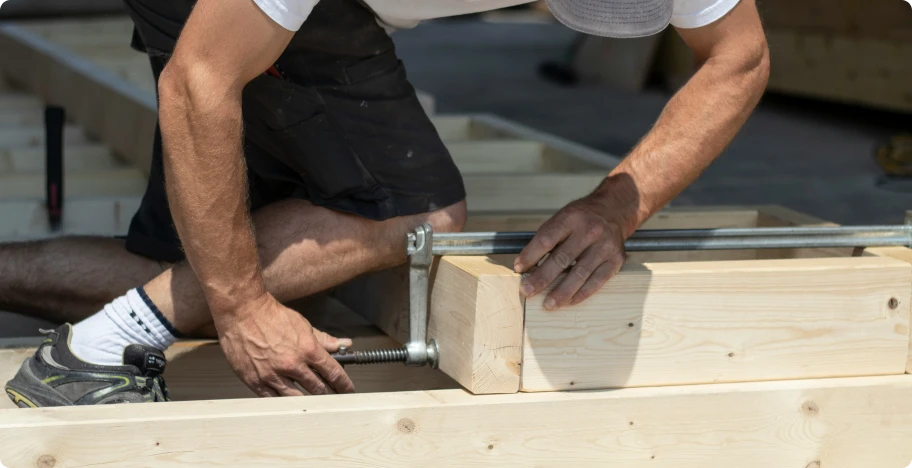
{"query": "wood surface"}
(709, 322)
(788, 217)
(832, 423)
(476, 318)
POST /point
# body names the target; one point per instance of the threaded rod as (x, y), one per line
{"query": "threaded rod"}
(371, 356)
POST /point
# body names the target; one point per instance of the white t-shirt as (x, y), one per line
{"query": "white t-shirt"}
(291, 14)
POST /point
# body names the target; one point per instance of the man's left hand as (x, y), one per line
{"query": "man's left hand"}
(586, 236)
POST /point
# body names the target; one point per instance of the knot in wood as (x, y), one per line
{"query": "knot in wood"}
(811, 409)
(47, 461)
(406, 426)
(813, 464)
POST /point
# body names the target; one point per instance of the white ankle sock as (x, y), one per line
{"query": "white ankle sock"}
(129, 319)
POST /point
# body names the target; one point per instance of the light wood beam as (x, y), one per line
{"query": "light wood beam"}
(709, 322)
(832, 423)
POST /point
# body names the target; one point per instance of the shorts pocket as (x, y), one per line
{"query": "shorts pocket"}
(291, 123)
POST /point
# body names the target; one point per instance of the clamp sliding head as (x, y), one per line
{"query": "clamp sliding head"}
(420, 351)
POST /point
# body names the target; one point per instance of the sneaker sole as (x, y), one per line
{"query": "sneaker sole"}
(27, 389)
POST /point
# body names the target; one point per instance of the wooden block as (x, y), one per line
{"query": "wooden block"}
(709, 322)
(476, 317)
(832, 423)
(491, 156)
(115, 182)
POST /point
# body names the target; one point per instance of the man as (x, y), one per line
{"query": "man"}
(340, 164)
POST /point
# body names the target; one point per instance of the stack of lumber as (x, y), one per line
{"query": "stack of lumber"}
(792, 358)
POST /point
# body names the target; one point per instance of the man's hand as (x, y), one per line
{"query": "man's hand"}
(694, 128)
(272, 348)
(586, 236)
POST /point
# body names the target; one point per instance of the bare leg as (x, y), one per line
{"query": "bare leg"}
(304, 249)
(67, 279)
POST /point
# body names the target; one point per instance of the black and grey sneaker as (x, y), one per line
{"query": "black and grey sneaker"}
(54, 376)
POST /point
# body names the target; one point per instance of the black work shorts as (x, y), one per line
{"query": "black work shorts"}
(340, 126)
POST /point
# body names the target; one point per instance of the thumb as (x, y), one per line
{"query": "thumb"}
(330, 343)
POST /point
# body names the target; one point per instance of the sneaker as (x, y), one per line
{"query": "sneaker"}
(54, 376)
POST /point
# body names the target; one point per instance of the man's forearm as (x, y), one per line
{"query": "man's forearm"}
(693, 129)
(207, 187)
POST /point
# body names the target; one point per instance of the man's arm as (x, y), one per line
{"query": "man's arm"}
(223, 46)
(693, 129)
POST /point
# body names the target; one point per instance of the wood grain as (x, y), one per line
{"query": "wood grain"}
(709, 322)
(476, 318)
(832, 423)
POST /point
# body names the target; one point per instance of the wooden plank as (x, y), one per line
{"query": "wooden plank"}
(488, 156)
(101, 216)
(114, 182)
(77, 157)
(832, 423)
(499, 192)
(789, 217)
(476, 318)
(709, 322)
(198, 370)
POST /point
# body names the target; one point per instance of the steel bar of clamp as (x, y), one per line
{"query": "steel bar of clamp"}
(423, 245)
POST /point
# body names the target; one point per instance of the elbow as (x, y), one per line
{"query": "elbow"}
(193, 90)
(755, 67)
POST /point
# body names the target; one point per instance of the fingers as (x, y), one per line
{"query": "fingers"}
(587, 264)
(595, 282)
(332, 372)
(261, 388)
(552, 233)
(309, 381)
(330, 343)
(560, 259)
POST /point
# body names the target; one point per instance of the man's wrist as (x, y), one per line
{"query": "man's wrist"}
(620, 203)
(235, 300)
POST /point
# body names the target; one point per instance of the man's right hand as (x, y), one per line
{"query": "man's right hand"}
(272, 347)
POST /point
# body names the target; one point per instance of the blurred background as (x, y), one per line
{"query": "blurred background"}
(840, 92)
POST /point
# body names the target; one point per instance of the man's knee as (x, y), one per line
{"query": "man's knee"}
(449, 219)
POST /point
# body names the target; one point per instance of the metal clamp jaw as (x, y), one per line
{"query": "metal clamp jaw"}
(420, 350)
